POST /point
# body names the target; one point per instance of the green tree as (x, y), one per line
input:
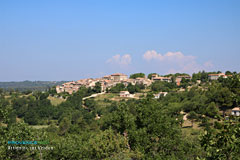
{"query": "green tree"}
(19, 132)
(136, 75)
(149, 127)
(5, 110)
(108, 144)
(97, 88)
(228, 73)
(184, 83)
(116, 89)
(31, 117)
(223, 144)
(212, 110)
(203, 76)
(160, 86)
(90, 103)
(70, 146)
(131, 88)
(192, 116)
(64, 126)
(222, 96)
(150, 75)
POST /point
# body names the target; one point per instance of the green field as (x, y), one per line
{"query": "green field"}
(107, 96)
(104, 100)
(56, 101)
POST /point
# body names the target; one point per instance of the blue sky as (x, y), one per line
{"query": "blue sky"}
(70, 40)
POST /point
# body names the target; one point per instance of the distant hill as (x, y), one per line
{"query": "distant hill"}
(30, 85)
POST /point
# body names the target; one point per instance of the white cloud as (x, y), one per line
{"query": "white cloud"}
(176, 62)
(149, 55)
(169, 56)
(120, 60)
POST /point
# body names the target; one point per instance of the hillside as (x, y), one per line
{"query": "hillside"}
(29, 85)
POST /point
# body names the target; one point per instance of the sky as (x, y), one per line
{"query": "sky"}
(75, 39)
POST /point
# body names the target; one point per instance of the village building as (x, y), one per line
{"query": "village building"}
(125, 94)
(145, 81)
(97, 117)
(181, 90)
(157, 96)
(166, 79)
(154, 76)
(59, 89)
(106, 82)
(119, 77)
(108, 77)
(236, 111)
(213, 76)
(216, 76)
(179, 79)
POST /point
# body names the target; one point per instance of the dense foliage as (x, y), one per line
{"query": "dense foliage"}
(137, 75)
(131, 88)
(144, 128)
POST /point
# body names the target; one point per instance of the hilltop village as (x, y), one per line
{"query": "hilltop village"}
(111, 81)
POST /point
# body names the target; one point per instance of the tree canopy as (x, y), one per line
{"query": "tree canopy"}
(137, 75)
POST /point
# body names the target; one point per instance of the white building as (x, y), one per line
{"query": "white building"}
(126, 94)
(236, 111)
(216, 76)
(156, 96)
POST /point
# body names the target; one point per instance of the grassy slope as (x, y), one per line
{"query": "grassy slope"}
(56, 101)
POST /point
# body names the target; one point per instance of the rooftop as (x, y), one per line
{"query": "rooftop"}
(236, 109)
(118, 74)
